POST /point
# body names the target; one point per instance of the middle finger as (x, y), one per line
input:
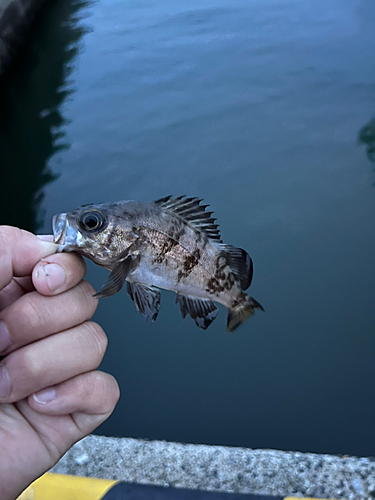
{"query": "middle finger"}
(34, 316)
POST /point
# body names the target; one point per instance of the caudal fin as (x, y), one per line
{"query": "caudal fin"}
(240, 313)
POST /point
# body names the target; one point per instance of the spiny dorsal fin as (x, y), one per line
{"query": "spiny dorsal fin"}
(202, 311)
(240, 264)
(195, 214)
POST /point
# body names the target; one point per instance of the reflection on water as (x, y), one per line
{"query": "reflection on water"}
(30, 118)
(366, 136)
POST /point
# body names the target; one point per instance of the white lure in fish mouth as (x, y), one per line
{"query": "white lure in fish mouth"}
(64, 234)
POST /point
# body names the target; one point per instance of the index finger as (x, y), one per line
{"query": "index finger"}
(20, 251)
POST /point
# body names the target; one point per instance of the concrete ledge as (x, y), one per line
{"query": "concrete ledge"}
(15, 19)
(219, 468)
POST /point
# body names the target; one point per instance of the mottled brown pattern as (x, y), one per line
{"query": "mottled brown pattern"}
(197, 253)
(165, 243)
(220, 274)
(221, 262)
(162, 251)
(213, 286)
(230, 281)
(110, 237)
(223, 278)
(188, 265)
(242, 297)
(180, 275)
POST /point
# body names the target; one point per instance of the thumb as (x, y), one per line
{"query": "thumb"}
(20, 251)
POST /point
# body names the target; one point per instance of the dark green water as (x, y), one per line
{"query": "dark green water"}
(266, 110)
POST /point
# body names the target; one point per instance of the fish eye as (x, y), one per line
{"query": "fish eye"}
(92, 220)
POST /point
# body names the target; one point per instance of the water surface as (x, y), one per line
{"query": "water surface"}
(265, 110)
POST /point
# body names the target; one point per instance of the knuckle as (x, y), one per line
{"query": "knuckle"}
(32, 311)
(106, 390)
(87, 287)
(113, 389)
(98, 340)
(31, 364)
(10, 233)
(8, 238)
(86, 295)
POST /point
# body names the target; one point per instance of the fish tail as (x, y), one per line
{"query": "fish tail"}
(240, 313)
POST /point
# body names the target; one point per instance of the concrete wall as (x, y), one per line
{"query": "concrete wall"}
(220, 468)
(15, 18)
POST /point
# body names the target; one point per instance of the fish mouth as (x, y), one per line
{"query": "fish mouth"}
(64, 234)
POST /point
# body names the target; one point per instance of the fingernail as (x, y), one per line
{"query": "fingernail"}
(45, 396)
(5, 385)
(55, 276)
(4, 337)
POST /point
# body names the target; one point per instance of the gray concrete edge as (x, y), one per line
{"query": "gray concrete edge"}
(221, 468)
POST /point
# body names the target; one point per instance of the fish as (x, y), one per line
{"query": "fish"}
(171, 243)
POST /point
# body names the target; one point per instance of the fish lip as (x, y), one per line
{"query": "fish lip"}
(64, 234)
(58, 227)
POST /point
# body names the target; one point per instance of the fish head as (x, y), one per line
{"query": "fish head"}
(97, 232)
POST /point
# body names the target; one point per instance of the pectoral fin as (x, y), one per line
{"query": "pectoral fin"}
(117, 278)
(202, 311)
(146, 299)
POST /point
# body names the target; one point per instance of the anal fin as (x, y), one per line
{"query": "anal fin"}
(146, 299)
(202, 311)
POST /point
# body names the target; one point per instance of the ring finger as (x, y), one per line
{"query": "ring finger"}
(51, 361)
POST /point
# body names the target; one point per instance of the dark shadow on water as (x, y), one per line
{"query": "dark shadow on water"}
(366, 136)
(31, 124)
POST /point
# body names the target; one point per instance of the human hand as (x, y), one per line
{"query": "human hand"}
(51, 394)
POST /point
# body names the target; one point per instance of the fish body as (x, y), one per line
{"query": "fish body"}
(172, 243)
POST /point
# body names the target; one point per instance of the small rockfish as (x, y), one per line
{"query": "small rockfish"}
(172, 243)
